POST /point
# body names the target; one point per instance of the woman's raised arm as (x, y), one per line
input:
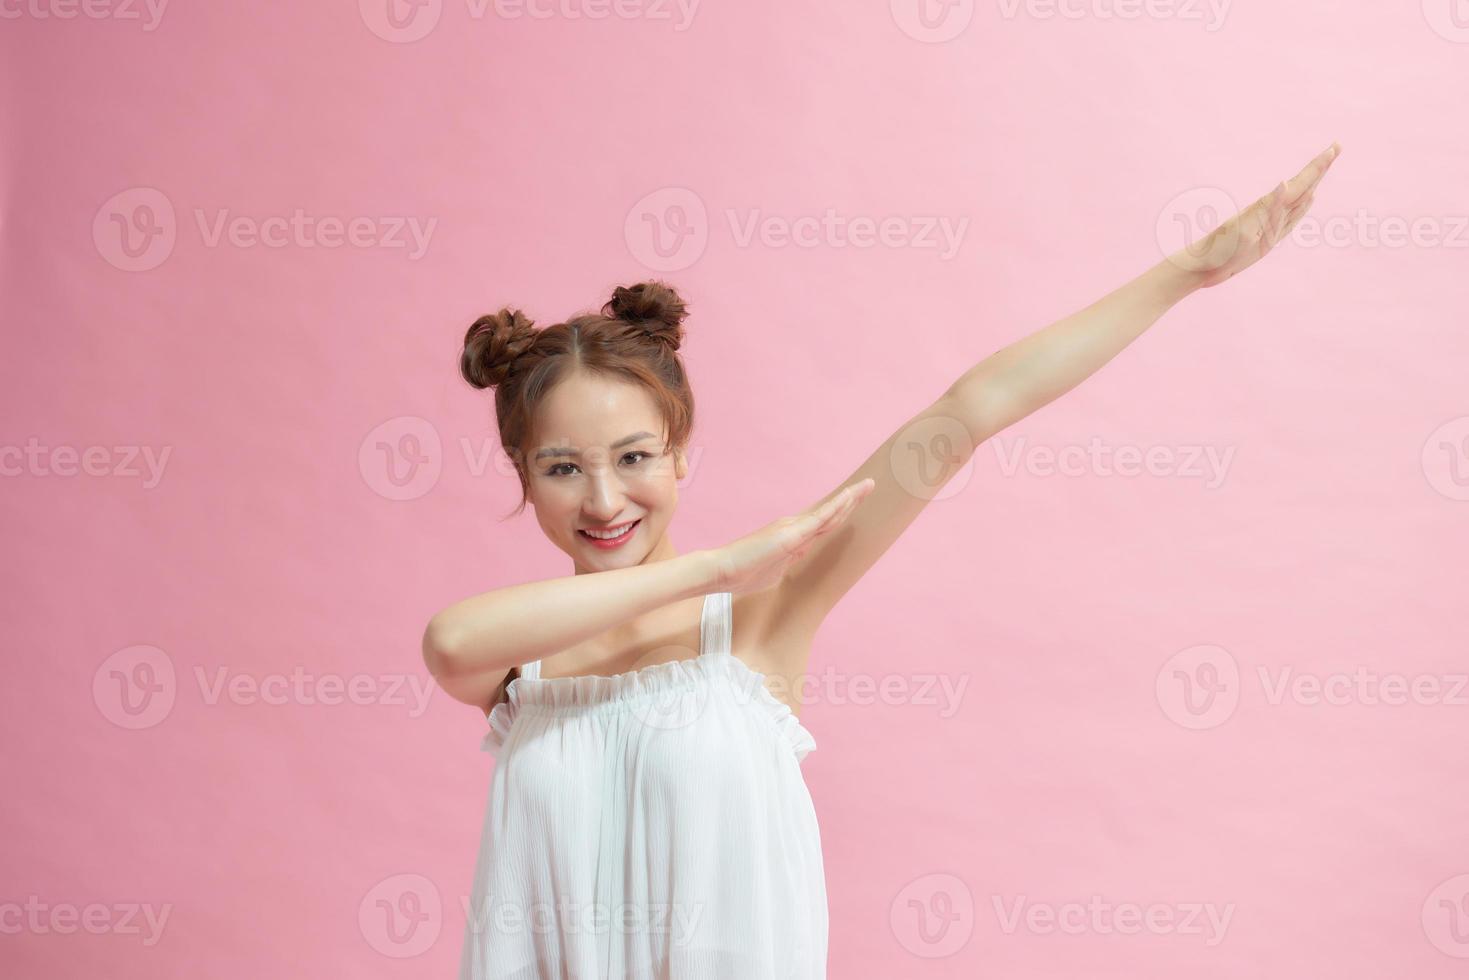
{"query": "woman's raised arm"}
(1036, 370)
(914, 463)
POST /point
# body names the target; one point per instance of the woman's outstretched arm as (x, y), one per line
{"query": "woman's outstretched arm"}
(471, 645)
(1036, 370)
(914, 463)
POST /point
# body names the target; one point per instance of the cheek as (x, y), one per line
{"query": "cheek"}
(655, 489)
(553, 504)
(662, 503)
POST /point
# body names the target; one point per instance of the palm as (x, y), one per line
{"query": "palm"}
(760, 560)
(1249, 236)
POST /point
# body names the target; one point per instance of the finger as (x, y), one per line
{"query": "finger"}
(1290, 224)
(1311, 174)
(1275, 225)
(1265, 210)
(1313, 171)
(851, 492)
(857, 493)
(847, 503)
(1296, 214)
(1287, 224)
(828, 511)
(1276, 208)
(838, 515)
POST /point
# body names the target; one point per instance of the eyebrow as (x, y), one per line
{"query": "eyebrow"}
(568, 451)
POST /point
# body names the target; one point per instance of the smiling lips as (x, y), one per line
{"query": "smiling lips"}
(609, 537)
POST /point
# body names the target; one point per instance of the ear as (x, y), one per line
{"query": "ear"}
(680, 464)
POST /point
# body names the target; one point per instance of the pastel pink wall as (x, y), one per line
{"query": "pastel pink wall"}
(214, 710)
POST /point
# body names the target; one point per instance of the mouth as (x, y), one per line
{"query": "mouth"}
(609, 537)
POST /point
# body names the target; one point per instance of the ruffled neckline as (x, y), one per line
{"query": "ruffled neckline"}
(572, 693)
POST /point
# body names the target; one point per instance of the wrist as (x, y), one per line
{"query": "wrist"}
(1171, 281)
(704, 574)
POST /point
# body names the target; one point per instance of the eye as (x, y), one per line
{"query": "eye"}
(638, 453)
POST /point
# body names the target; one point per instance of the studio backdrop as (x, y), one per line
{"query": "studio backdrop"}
(1168, 680)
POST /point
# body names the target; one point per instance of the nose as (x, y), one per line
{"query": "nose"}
(606, 492)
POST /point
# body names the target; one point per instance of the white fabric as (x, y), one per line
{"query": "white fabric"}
(652, 824)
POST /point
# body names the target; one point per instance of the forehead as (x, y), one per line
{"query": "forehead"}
(587, 411)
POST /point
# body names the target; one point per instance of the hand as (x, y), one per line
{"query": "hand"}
(760, 560)
(1245, 238)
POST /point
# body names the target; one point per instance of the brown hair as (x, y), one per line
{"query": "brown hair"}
(635, 338)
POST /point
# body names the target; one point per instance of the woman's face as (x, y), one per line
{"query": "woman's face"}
(597, 461)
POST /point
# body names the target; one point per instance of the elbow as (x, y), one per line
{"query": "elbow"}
(983, 411)
(440, 650)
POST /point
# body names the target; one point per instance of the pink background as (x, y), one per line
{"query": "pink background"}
(331, 482)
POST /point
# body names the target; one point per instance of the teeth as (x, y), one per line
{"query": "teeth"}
(606, 535)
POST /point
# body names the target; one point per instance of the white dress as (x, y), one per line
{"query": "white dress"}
(650, 825)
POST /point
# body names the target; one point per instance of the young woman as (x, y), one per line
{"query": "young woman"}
(647, 815)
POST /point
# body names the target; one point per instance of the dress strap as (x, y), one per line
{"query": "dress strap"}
(531, 671)
(716, 624)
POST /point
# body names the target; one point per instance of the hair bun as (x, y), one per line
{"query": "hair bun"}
(493, 344)
(656, 307)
